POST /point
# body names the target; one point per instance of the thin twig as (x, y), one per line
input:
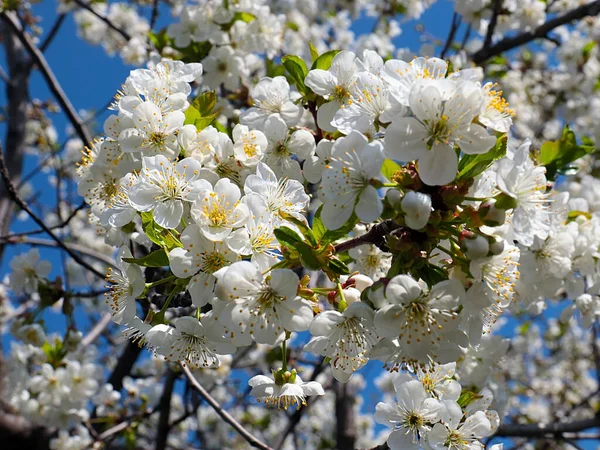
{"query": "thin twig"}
(154, 16)
(63, 224)
(38, 58)
(451, 34)
(97, 330)
(250, 438)
(104, 19)
(59, 243)
(53, 32)
(506, 44)
(492, 25)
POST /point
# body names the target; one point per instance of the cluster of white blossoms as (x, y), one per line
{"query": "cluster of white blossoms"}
(428, 412)
(461, 233)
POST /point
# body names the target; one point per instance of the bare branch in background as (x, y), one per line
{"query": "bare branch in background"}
(506, 44)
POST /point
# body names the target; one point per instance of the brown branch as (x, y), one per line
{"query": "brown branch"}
(550, 430)
(376, 236)
(492, 25)
(451, 34)
(104, 19)
(250, 438)
(164, 406)
(38, 58)
(509, 43)
(345, 425)
(17, 94)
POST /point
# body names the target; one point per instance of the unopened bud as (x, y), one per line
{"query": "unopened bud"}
(491, 214)
(361, 282)
(352, 295)
(476, 247)
(497, 246)
(417, 209)
(394, 197)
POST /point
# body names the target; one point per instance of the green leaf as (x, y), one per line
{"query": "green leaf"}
(318, 228)
(160, 40)
(202, 122)
(191, 115)
(587, 49)
(470, 166)
(575, 214)
(558, 155)
(323, 62)
(297, 69)
(288, 237)
(292, 26)
(389, 168)
(343, 231)
(158, 258)
(430, 274)
(467, 397)
(314, 54)
(304, 229)
(205, 103)
(337, 266)
(307, 257)
(157, 234)
(244, 17)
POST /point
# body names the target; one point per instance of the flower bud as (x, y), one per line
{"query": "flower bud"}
(476, 247)
(393, 196)
(497, 246)
(352, 295)
(417, 209)
(361, 282)
(491, 214)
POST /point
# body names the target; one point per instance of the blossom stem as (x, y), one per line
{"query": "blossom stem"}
(284, 355)
(161, 315)
(342, 305)
(159, 282)
(475, 199)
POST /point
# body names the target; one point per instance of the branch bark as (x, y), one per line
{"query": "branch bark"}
(509, 43)
(17, 94)
(376, 236)
(550, 430)
(164, 406)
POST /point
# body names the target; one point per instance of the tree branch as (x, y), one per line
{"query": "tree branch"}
(376, 236)
(492, 25)
(590, 9)
(17, 94)
(38, 58)
(250, 438)
(164, 406)
(451, 34)
(550, 430)
(97, 330)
